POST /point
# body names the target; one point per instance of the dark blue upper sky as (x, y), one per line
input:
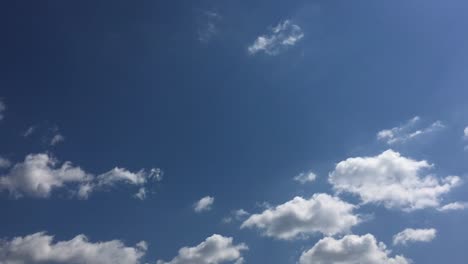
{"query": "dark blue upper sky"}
(131, 84)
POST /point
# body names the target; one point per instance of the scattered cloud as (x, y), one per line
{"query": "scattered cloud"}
(392, 180)
(237, 215)
(40, 174)
(301, 217)
(41, 248)
(454, 206)
(2, 109)
(408, 131)
(305, 177)
(208, 25)
(29, 131)
(4, 163)
(281, 37)
(216, 249)
(58, 138)
(414, 235)
(350, 249)
(204, 204)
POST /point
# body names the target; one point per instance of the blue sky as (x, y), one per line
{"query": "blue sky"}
(233, 131)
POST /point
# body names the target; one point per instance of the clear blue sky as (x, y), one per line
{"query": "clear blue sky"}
(231, 100)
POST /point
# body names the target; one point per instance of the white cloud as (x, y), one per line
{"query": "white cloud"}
(414, 235)
(40, 248)
(350, 249)
(407, 131)
(392, 180)
(2, 109)
(216, 249)
(454, 206)
(4, 163)
(208, 25)
(465, 132)
(58, 138)
(284, 35)
(305, 177)
(204, 204)
(29, 131)
(141, 194)
(301, 217)
(237, 215)
(40, 174)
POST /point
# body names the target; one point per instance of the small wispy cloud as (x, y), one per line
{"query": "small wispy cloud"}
(236, 215)
(454, 206)
(281, 37)
(414, 235)
(204, 204)
(208, 25)
(2, 109)
(305, 177)
(408, 131)
(29, 131)
(4, 163)
(56, 139)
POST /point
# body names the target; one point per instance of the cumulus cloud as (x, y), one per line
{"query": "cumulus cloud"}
(408, 131)
(454, 206)
(301, 217)
(392, 180)
(284, 35)
(350, 249)
(41, 248)
(40, 174)
(414, 235)
(216, 249)
(204, 204)
(2, 109)
(305, 177)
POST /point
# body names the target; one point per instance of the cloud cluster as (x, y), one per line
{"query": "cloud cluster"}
(300, 217)
(407, 131)
(414, 235)
(350, 249)
(305, 177)
(40, 174)
(216, 249)
(284, 35)
(40, 248)
(392, 180)
(204, 204)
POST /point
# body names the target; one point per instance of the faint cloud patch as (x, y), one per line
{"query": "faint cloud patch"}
(236, 215)
(305, 177)
(204, 204)
(284, 35)
(208, 25)
(2, 109)
(408, 131)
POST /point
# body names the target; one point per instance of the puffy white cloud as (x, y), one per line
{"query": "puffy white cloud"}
(4, 163)
(40, 248)
(2, 109)
(414, 235)
(301, 217)
(350, 249)
(305, 177)
(40, 174)
(216, 249)
(454, 206)
(58, 138)
(204, 204)
(407, 131)
(392, 180)
(284, 35)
